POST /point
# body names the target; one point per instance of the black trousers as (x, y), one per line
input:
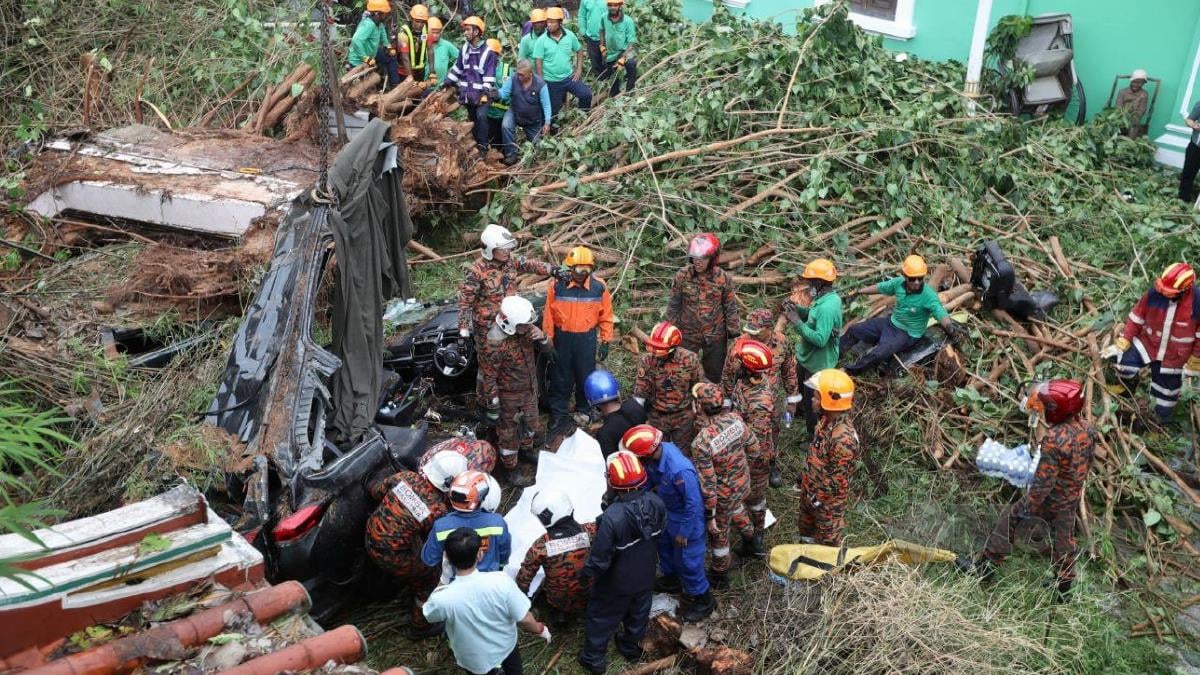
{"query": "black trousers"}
(806, 401)
(1187, 178)
(886, 338)
(712, 356)
(574, 360)
(595, 58)
(478, 114)
(511, 664)
(605, 611)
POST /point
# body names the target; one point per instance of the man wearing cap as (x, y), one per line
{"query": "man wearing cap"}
(579, 323)
(474, 75)
(558, 56)
(618, 36)
(537, 28)
(1133, 101)
(369, 45)
(441, 53)
(814, 312)
(412, 44)
(829, 466)
(528, 109)
(899, 330)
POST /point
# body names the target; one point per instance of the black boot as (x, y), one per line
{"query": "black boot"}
(558, 425)
(430, 631)
(776, 479)
(668, 584)
(752, 547)
(718, 580)
(699, 607)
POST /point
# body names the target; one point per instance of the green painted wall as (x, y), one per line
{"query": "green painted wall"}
(1111, 37)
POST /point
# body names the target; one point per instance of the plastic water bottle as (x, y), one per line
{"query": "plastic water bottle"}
(787, 420)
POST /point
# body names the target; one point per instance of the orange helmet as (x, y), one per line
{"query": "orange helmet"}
(1176, 279)
(755, 356)
(835, 388)
(642, 440)
(914, 266)
(664, 338)
(821, 268)
(708, 395)
(555, 14)
(468, 491)
(434, 25)
(494, 45)
(419, 13)
(476, 22)
(538, 15)
(625, 471)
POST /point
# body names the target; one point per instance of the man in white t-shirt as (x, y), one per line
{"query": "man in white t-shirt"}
(482, 611)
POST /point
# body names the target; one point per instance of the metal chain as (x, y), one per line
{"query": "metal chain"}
(325, 100)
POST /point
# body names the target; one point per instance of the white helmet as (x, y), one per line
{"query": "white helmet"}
(514, 311)
(491, 501)
(1139, 74)
(495, 237)
(551, 506)
(443, 467)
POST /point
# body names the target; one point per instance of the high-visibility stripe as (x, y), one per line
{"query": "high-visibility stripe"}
(1137, 319)
(1163, 390)
(1166, 403)
(795, 399)
(761, 506)
(721, 552)
(507, 453)
(1171, 371)
(493, 531)
(1141, 348)
(1166, 336)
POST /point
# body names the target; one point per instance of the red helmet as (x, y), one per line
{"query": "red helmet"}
(708, 395)
(468, 490)
(704, 245)
(1057, 400)
(663, 338)
(1176, 279)
(625, 471)
(755, 356)
(642, 440)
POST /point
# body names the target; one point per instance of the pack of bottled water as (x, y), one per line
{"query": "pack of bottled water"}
(1014, 465)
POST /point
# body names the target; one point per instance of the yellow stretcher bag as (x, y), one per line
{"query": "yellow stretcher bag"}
(811, 561)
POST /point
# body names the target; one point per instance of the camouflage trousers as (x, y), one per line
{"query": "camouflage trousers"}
(729, 513)
(823, 523)
(1064, 548)
(677, 427)
(515, 436)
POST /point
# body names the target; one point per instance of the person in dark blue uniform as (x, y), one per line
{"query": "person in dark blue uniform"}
(604, 394)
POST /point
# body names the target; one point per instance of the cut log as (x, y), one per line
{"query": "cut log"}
(883, 234)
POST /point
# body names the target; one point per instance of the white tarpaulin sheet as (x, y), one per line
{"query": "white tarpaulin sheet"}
(576, 469)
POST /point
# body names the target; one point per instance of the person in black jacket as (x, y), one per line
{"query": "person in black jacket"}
(603, 394)
(622, 564)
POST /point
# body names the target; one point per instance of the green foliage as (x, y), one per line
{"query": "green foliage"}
(1002, 44)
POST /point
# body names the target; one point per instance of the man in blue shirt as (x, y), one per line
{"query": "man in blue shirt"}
(528, 100)
(467, 495)
(681, 545)
(481, 611)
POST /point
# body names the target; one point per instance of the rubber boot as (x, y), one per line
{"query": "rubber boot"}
(752, 547)
(668, 584)
(776, 479)
(699, 607)
(718, 580)
(558, 425)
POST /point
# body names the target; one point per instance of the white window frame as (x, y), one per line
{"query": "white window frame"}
(901, 28)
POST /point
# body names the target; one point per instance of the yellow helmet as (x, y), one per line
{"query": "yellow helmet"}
(537, 16)
(914, 266)
(555, 14)
(580, 255)
(821, 268)
(835, 388)
(419, 13)
(434, 24)
(378, 6)
(494, 45)
(476, 22)
(617, 3)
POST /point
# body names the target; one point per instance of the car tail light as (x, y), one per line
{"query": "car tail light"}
(299, 523)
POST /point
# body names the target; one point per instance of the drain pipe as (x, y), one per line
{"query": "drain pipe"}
(983, 15)
(341, 645)
(127, 653)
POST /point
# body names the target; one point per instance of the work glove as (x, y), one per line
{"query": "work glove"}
(370, 62)
(551, 355)
(391, 51)
(621, 62)
(956, 333)
(561, 274)
(492, 414)
(1116, 349)
(483, 99)
(464, 333)
(1192, 367)
(602, 352)
(603, 50)
(545, 634)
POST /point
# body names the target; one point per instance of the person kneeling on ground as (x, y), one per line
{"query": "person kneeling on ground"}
(481, 610)
(561, 552)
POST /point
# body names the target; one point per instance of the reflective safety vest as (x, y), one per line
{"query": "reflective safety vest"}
(498, 107)
(416, 48)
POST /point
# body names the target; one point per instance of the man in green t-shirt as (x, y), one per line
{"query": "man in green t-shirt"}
(590, 14)
(815, 314)
(537, 28)
(442, 52)
(618, 35)
(558, 56)
(369, 44)
(893, 333)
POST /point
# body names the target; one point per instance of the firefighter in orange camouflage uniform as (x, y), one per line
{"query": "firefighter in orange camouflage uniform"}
(508, 384)
(703, 305)
(719, 454)
(1067, 450)
(825, 484)
(409, 502)
(561, 552)
(480, 454)
(754, 400)
(664, 382)
(783, 376)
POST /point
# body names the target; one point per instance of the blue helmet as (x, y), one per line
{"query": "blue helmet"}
(601, 387)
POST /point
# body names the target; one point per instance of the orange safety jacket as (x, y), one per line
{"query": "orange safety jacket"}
(579, 308)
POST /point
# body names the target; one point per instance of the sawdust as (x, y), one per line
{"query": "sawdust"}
(208, 447)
